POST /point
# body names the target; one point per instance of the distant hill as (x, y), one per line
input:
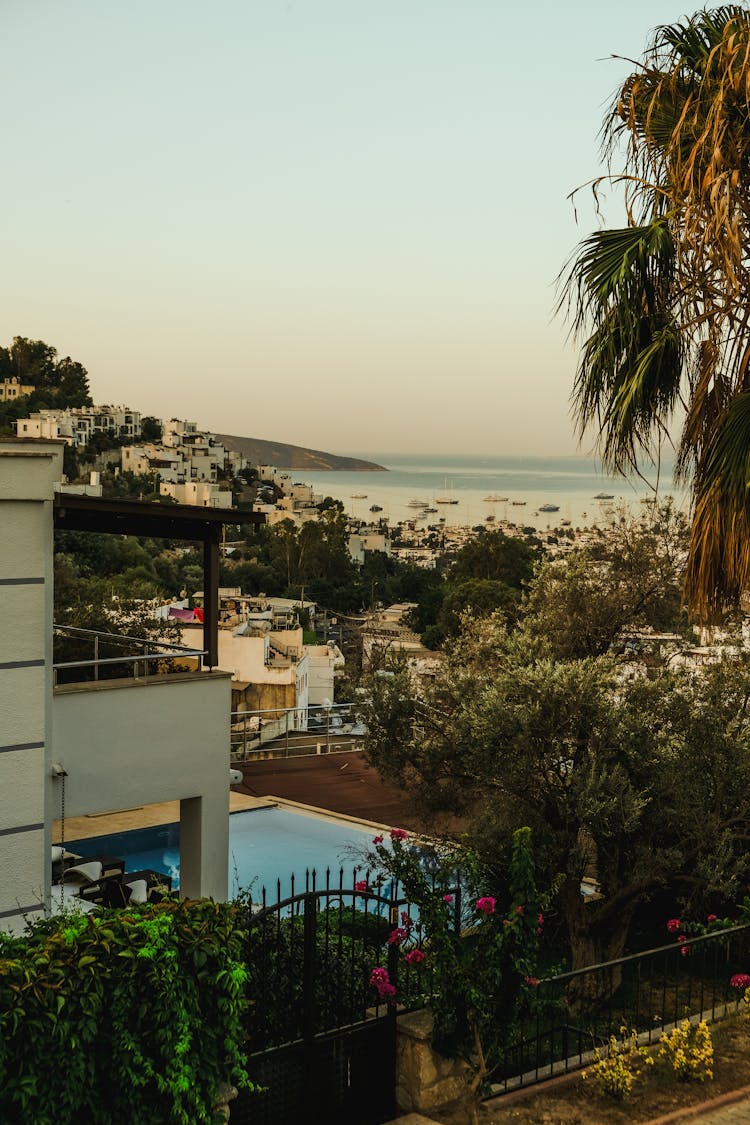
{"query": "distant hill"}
(294, 456)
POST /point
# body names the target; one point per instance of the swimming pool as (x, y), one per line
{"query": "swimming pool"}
(266, 845)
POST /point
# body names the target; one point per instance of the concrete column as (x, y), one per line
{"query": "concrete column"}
(204, 846)
(28, 471)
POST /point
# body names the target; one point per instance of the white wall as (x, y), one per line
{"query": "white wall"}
(126, 743)
(28, 471)
(321, 662)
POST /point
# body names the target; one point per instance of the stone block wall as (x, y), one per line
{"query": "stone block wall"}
(425, 1080)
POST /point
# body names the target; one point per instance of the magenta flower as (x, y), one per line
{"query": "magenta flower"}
(486, 905)
(681, 938)
(712, 918)
(414, 957)
(447, 898)
(533, 982)
(360, 885)
(406, 921)
(395, 937)
(740, 981)
(399, 834)
(380, 980)
(377, 839)
(519, 910)
(540, 919)
(673, 925)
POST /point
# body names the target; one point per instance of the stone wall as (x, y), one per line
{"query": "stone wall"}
(424, 1079)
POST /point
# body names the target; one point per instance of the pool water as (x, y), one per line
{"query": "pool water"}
(266, 847)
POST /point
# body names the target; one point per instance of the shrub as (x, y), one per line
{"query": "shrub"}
(616, 1069)
(689, 1049)
(131, 1016)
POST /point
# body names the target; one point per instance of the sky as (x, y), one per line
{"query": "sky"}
(325, 222)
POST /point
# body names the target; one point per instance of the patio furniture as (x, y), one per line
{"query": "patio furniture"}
(82, 873)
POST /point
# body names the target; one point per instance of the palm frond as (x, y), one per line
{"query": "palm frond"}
(718, 568)
(629, 374)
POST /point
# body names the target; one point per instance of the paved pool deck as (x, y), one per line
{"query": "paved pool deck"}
(143, 816)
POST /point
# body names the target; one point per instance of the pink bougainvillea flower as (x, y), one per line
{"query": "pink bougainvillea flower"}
(533, 982)
(740, 981)
(414, 957)
(399, 834)
(380, 980)
(397, 936)
(540, 919)
(681, 937)
(360, 885)
(377, 839)
(447, 898)
(519, 910)
(406, 920)
(486, 905)
(685, 951)
(712, 918)
(673, 925)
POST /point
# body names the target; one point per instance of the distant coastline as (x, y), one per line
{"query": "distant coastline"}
(296, 457)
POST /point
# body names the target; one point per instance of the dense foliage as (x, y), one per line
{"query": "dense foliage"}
(57, 382)
(631, 773)
(133, 1017)
(478, 936)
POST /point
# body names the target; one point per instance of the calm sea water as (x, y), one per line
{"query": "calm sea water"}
(569, 482)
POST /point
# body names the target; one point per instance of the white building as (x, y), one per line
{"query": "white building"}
(13, 388)
(102, 745)
(78, 424)
(369, 538)
(203, 494)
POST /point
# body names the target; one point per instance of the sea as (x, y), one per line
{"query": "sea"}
(502, 488)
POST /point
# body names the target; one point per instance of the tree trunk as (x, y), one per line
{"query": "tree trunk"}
(593, 941)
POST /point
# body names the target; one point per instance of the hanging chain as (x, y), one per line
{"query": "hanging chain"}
(62, 836)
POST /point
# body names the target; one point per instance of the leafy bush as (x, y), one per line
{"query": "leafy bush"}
(132, 1016)
(615, 1069)
(689, 1048)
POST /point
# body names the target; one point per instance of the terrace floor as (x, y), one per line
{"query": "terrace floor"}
(143, 816)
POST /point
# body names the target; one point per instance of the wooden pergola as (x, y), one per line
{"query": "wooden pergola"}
(161, 521)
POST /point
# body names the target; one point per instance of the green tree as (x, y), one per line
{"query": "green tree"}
(495, 557)
(151, 428)
(632, 578)
(662, 303)
(640, 785)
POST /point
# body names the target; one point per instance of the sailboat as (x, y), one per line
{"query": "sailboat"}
(447, 499)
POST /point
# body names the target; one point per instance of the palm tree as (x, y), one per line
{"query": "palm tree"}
(663, 304)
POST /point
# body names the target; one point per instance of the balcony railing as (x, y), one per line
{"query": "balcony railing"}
(295, 732)
(100, 658)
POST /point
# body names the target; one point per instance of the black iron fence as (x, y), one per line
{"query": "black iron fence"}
(646, 992)
(318, 1029)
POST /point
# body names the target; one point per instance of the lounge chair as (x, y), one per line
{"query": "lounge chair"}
(83, 873)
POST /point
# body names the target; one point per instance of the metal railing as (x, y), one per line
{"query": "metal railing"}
(154, 656)
(647, 993)
(293, 732)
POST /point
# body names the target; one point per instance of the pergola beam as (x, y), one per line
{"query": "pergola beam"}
(161, 521)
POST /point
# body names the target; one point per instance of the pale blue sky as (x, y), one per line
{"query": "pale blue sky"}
(325, 222)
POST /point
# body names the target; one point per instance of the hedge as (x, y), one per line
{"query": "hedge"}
(128, 1017)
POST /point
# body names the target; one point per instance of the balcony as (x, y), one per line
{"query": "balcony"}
(135, 722)
(91, 656)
